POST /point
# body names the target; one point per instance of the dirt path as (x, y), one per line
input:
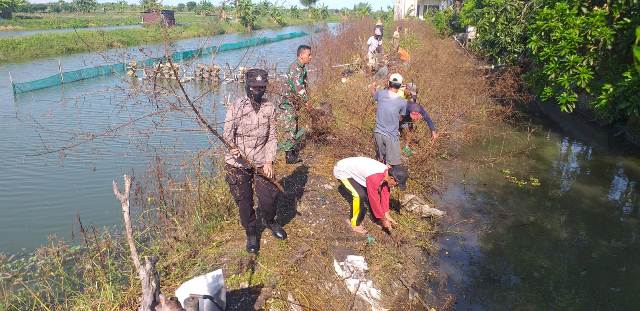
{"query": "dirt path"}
(299, 273)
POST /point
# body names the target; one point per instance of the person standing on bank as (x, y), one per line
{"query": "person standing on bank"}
(414, 113)
(391, 106)
(296, 96)
(373, 46)
(250, 126)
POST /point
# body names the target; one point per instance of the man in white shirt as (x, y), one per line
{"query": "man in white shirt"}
(373, 44)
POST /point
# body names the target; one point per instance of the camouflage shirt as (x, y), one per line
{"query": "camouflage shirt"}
(297, 80)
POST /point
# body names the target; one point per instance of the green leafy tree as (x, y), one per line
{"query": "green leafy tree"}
(362, 9)
(205, 7)
(567, 45)
(181, 7)
(264, 8)
(247, 13)
(324, 12)
(191, 6)
(277, 15)
(294, 12)
(7, 7)
(85, 5)
(636, 49)
(122, 5)
(308, 3)
(502, 23)
(149, 5)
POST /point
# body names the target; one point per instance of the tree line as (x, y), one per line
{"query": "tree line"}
(576, 53)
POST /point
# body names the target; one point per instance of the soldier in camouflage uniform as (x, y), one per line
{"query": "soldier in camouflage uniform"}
(296, 95)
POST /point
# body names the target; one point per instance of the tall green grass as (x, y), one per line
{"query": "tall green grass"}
(54, 44)
(22, 21)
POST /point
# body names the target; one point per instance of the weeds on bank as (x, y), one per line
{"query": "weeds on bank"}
(193, 226)
(96, 272)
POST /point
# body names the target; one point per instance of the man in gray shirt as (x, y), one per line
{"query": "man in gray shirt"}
(391, 106)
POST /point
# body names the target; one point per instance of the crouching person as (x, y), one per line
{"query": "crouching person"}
(250, 125)
(369, 183)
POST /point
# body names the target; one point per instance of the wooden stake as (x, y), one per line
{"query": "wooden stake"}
(60, 71)
(147, 273)
(13, 87)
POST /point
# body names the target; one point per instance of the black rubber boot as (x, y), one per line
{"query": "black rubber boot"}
(292, 157)
(252, 241)
(277, 230)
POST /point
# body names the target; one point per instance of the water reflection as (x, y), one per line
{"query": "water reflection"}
(567, 167)
(622, 192)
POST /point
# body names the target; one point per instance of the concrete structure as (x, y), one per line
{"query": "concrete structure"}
(416, 8)
(155, 16)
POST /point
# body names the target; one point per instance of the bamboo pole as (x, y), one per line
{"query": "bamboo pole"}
(13, 87)
(60, 71)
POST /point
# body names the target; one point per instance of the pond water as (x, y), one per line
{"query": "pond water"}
(41, 195)
(23, 33)
(546, 221)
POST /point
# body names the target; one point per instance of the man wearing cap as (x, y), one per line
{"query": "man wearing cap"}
(386, 134)
(250, 126)
(369, 182)
(295, 97)
(373, 45)
(414, 113)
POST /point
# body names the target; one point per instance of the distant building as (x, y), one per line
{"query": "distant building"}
(155, 17)
(415, 8)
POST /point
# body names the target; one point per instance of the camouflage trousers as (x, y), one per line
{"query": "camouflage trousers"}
(293, 134)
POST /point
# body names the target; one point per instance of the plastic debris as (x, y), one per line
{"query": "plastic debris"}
(417, 205)
(370, 239)
(210, 287)
(354, 272)
(407, 151)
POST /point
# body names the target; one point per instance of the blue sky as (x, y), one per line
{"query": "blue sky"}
(332, 4)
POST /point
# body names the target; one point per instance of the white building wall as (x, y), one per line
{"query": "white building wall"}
(417, 8)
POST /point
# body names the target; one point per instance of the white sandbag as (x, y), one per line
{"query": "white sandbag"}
(354, 272)
(210, 284)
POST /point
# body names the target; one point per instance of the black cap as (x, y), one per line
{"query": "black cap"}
(256, 77)
(400, 174)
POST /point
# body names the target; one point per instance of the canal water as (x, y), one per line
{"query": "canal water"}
(41, 195)
(541, 220)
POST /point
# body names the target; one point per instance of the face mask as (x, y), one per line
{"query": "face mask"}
(255, 94)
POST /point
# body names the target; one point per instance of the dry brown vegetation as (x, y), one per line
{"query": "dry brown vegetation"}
(197, 230)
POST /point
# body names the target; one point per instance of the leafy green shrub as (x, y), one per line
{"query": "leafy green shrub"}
(248, 13)
(501, 26)
(636, 49)
(277, 14)
(294, 12)
(567, 46)
(7, 7)
(447, 22)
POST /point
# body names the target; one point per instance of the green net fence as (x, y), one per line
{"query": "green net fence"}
(104, 70)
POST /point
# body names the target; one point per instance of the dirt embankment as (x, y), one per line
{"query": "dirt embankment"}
(198, 229)
(300, 272)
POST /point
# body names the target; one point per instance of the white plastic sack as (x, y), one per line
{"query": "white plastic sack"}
(416, 205)
(354, 272)
(211, 284)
